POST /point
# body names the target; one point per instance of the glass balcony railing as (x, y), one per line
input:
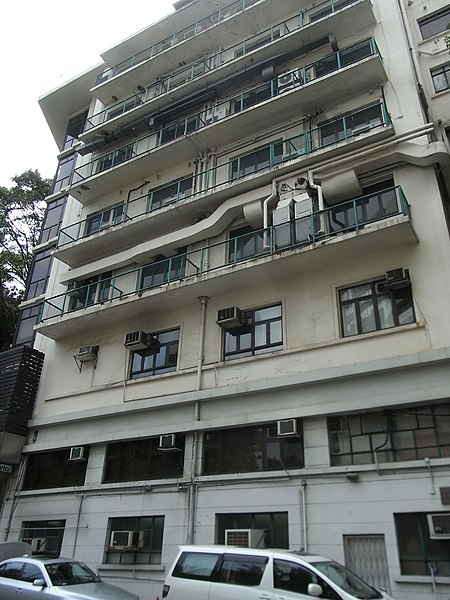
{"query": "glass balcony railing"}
(233, 171)
(315, 227)
(228, 107)
(208, 63)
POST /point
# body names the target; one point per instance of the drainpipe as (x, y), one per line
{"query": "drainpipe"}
(303, 517)
(192, 488)
(323, 220)
(266, 211)
(77, 527)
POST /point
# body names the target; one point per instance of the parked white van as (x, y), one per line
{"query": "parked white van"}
(224, 572)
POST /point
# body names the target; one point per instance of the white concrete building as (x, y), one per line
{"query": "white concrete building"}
(246, 323)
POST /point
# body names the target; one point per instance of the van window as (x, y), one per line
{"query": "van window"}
(295, 578)
(241, 569)
(196, 565)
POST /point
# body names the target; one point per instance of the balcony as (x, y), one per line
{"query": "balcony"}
(359, 226)
(213, 30)
(346, 72)
(204, 73)
(204, 191)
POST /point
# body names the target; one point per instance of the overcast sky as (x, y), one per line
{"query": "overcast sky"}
(46, 41)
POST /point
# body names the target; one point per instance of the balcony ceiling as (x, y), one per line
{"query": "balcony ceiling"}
(389, 234)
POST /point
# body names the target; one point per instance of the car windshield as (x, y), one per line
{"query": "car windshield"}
(70, 573)
(346, 580)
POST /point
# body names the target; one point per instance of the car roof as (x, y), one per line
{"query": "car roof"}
(279, 552)
(43, 560)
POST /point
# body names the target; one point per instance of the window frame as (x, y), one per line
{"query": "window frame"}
(166, 350)
(53, 469)
(353, 324)
(31, 530)
(270, 452)
(151, 537)
(438, 73)
(140, 460)
(250, 328)
(434, 19)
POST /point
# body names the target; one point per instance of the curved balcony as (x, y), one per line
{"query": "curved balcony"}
(202, 192)
(361, 226)
(346, 72)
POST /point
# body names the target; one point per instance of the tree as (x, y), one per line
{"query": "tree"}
(22, 209)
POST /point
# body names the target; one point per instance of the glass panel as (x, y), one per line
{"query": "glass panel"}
(367, 316)
(385, 312)
(349, 323)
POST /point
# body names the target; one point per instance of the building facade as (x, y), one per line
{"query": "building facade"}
(244, 312)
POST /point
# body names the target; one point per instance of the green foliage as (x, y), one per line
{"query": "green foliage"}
(22, 209)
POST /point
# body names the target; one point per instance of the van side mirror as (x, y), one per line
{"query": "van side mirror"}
(314, 589)
(39, 583)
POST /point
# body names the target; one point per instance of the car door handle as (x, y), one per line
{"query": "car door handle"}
(265, 596)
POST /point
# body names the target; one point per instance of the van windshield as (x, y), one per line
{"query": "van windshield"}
(346, 580)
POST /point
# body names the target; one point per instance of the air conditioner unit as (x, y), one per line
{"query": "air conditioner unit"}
(87, 353)
(230, 318)
(122, 540)
(397, 279)
(439, 525)
(77, 453)
(287, 427)
(168, 443)
(245, 538)
(216, 113)
(288, 80)
(139, 340)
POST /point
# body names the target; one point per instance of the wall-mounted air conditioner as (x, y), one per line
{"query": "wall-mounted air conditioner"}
(287, 427)
(439, 525)
(139, 340)
(230, 318)
(121, 540)
(87, 353)
(245, 538)
(397, 279)
(77, 453)
(288, 80)
(216, 113)
(168, 443)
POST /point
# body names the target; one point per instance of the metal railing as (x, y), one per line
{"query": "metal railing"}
(246, 99)
(318, 226)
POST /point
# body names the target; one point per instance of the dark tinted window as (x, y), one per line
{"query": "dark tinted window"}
(11, 569)
(30, 573)
(196, 565)
(53, 469)
(435, 23)
(242, 569)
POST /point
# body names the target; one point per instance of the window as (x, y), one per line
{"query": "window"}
(145, 363)
(247, 449)
(262, 332)
(104, 219)
(196, 565)
(292, 577)
(419, 554)
(52, 219)
(352, 124)
(408, 434)
(326, 8)
(93, 290)
(434, 24)
(28, 318)
(163, 270)
(140, 460)
(135, 540)
(245, 243)
(372, 307)
(39, 273)
(74, 128)
(257, 160)
(258, 41)
(441, 78)
(274, 525)
(64, 172)
(114, 158)
(168, 194)
(54, 469)
(242, 569)
(44, 537)
(175, 130)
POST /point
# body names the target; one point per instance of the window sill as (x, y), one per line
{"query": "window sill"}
(426, 579)
(130, 567)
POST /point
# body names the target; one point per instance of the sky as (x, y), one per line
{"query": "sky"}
(44, 42)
